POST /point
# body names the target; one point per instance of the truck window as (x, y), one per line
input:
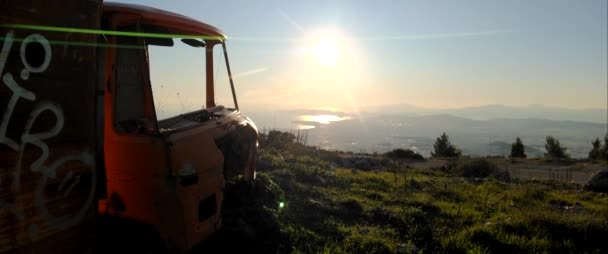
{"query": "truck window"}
(223, 93)
(130, 114)
(177, 74)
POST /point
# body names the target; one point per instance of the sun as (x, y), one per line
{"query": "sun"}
(327, 51)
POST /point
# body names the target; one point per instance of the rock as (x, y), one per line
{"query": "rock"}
(598, 183)
(577, 207)
(406, 248)
(567, 207)
(475, 180)
(316, 203)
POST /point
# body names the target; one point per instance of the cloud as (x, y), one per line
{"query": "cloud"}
(250, 72)
(290, 20)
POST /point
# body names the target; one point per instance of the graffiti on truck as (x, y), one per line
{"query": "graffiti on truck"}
(47, 169)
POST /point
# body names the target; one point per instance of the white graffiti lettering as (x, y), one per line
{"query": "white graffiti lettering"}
(37, 140)
(18, 92)
(6, 48)
(67, 221)
(42, 165)
(47, 53)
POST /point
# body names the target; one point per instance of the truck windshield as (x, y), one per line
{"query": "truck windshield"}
(178, 77)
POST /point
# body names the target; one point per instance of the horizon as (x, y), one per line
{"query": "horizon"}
(445, 108)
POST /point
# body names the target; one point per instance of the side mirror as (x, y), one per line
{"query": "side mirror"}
(194, 43)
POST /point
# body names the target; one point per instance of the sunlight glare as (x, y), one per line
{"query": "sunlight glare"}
(323, 119)
(327, 51)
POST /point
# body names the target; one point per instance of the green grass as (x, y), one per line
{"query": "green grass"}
(329, 209)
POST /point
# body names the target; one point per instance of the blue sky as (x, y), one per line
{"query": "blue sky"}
(438, 54)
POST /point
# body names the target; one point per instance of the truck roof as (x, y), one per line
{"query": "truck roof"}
(178, 24)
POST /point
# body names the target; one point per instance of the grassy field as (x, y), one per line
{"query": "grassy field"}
(305, 201)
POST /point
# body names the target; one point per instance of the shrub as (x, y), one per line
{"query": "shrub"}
(269, 159)
(276, 139)
(403, 154)
(480, 168)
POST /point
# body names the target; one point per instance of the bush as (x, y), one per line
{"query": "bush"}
(276, 139)
(478, 168)
(269, 159)
(404, 154)
(250, 216)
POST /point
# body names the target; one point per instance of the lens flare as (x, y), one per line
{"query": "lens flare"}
(327, 52)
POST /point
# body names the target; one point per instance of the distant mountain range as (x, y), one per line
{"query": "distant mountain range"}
(485, 112)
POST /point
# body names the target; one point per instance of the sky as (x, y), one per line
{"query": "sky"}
(355, 54)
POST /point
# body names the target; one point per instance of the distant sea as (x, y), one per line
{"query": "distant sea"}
(377, 133)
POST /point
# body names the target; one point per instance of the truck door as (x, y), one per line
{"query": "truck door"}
(196, 160)
(135, 154)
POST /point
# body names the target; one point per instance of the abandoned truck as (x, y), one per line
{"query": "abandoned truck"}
(157, 180)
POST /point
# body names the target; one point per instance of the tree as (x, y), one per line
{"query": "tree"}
(597, 150)
(554, 149)
(517, 149)
(443, 148)
(604, 150)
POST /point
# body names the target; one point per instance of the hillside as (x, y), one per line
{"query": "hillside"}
(307, 200)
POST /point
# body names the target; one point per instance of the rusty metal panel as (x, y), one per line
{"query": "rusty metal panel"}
(47, 127)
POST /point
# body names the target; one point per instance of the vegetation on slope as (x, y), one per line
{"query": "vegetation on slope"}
(305, 201)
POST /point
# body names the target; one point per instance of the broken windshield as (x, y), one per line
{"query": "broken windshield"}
(178, 75)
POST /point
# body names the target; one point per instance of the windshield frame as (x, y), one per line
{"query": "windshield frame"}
(236, 104)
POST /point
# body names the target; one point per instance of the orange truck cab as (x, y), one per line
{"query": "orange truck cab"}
(164, 177)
